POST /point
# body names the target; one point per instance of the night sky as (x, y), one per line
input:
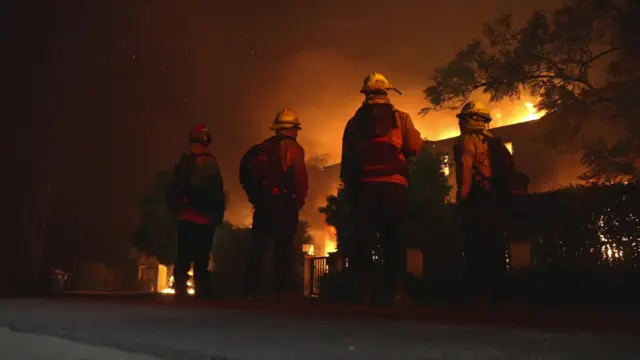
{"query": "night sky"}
(102, 92)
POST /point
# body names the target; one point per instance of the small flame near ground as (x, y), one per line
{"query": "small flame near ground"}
(171, 291)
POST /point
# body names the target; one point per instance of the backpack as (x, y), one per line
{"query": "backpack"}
(506, 182)
(374, 158)
(184, 192)
(261, 171)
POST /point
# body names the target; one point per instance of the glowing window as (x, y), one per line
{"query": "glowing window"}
(308, 249)
(445, 165)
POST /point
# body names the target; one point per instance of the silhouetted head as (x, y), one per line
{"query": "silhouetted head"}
(199, 136)
(376, 83)
(286, 123)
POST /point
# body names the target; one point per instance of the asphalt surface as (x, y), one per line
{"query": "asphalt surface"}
(144, 330)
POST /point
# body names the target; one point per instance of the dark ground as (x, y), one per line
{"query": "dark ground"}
(157, 326)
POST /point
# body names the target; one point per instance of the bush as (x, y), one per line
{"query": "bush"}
(94, 276)
(585, 242)
(337, 286)
(230, 250)
(583, 226)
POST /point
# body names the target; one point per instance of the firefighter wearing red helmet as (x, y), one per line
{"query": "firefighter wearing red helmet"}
(199, 134)
(196, 195)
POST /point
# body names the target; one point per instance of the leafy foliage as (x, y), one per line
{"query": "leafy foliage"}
(580, 59)
(337, 214)
(431, 219)
(230, 250)
(579, 225)
(156, 235)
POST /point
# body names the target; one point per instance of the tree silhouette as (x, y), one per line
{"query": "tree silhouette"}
(337, 214)
(581, 59)
(157, 233)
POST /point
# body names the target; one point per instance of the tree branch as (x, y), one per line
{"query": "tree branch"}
(604, 53)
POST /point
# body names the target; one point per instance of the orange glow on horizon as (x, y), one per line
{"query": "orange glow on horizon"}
(524, 112)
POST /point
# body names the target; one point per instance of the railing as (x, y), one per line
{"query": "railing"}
(314, 268)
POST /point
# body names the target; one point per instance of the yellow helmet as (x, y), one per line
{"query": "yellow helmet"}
(285, 119)
(376, 82)
(475, 108)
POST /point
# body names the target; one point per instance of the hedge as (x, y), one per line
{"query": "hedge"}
(585, 241)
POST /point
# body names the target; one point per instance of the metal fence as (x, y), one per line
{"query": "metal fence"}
(314, 269)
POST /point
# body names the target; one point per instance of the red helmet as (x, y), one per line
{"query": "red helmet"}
(200, 134)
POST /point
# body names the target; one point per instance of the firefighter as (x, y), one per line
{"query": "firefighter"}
(274, 176)
(376, 144)
(484, 248)
(196, 195)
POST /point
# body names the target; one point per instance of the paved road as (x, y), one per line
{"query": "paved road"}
(165, 331)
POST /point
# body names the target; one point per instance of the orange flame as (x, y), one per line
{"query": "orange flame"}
(331, 240)
(518, 114)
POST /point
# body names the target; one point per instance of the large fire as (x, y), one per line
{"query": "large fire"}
(331, 240)
(324, 242)
(503, 115)
(435, 126)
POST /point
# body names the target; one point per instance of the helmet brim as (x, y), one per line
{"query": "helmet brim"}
(377, 91)
(465, 116)
(286, 127)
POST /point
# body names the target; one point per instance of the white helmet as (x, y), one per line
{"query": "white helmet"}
(376, 82)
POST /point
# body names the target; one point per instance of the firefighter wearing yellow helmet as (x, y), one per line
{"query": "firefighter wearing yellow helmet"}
(475, 110)
(377, 142)
(274, 176)
(482, 161)
(473, 121)
(286, 119)
(377, 83)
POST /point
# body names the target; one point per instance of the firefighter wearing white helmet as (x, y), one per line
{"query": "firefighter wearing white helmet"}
(274, 176)
(476, 153)
(377, 83)
(376, 144)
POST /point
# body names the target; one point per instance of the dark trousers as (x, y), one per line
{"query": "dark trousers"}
(194, 246)
(484, 248)
(379, 210)
(273, 223)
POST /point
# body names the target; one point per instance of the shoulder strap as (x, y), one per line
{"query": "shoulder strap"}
(403, 123)
(403, 128)
(191, 159)
(477, 162)
(273, 145)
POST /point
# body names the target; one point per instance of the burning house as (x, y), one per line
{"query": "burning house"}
(526, 136)
(547, 167)
(525, 131)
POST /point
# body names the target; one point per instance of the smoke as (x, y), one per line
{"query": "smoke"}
(322, 86)
(117, 87)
